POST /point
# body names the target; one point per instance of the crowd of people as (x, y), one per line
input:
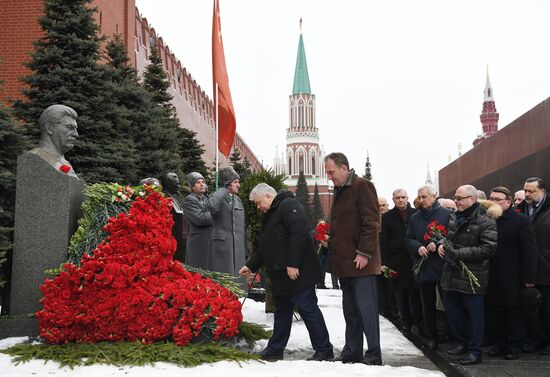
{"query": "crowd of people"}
(470, 271)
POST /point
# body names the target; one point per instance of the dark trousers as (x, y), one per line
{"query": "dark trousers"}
(429, 312)
(505, 327)
(386, 299)
(334, 280)
(472, 337)
(402, 298)
(306, 304)
(416, 307)
(538, 326)
(360, 306)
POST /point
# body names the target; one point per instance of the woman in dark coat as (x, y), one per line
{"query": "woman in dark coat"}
(286, 250)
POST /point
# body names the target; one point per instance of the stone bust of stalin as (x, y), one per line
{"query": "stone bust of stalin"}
(58, 133)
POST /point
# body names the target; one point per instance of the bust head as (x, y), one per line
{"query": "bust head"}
(170, 183)
(58, 129)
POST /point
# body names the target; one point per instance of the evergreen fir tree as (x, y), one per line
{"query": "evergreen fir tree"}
(161, 143)
(318, 213)
(12, 141)
(155, 80)
(65, 71)
(235, 158)
(131, 98)
(242, 168)
(302, 195)
(247, 167)
(253, 217)
(367, 173)
(191, 151)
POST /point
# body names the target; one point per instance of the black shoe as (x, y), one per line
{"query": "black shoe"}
(321, 356)
(270, 355)
(470, 359)
(459, 349)
(511, 356)
(495, 352)
(371, 362)
(347, 359)
(432, 344)
(529, 348)
(405, 327)
(544, 350)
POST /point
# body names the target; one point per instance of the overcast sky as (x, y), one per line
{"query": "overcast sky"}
(403, 80)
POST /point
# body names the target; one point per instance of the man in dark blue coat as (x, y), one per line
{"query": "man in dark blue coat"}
(512, 268)
(286, 250)
(427, 264)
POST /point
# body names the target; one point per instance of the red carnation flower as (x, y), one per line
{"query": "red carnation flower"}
(131, 289)
(65, 168)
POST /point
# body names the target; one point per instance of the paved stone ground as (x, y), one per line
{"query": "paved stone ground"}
(527, 365)
(393, 359)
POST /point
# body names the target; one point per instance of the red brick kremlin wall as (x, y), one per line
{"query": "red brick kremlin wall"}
(19, 29)
(516, 152)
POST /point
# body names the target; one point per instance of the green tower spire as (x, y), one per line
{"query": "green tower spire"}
(301, 77)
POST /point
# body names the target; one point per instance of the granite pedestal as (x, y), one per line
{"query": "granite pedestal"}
(47, 210)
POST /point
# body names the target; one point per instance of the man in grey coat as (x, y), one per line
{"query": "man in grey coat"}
(196, 208)
(228, 231)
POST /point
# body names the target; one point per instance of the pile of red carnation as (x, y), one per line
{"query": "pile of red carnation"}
(131, 289)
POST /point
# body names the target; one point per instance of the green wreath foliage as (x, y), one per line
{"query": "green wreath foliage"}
(137, 353)
(129, 354)
(103, 201)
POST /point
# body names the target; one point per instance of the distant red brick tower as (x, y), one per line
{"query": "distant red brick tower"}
(489, 115)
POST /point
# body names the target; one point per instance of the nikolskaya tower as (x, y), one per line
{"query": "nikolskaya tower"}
(303, 151)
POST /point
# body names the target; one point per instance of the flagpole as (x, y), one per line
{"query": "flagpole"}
(217, 141)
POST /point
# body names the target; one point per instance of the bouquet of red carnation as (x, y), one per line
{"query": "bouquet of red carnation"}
(321, 233)
(253, 279)
(389, 273)
(436, 232)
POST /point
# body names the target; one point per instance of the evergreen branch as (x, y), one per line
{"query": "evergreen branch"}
(126, 354)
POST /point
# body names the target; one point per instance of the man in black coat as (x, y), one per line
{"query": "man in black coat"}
(512, 268)
(286, 250)
(473, 235)
(395, 255)
(537, 207)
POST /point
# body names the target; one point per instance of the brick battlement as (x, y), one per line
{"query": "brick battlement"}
(19, 20)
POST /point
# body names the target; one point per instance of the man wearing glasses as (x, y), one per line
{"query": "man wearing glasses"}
(512, 269)
(537, 207)
(474, 241)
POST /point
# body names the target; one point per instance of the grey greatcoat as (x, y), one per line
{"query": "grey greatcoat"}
(228, 232)
(196, 209)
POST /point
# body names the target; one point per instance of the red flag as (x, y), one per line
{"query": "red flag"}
(226, 113)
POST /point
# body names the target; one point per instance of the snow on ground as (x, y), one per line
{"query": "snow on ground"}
(393, 344)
